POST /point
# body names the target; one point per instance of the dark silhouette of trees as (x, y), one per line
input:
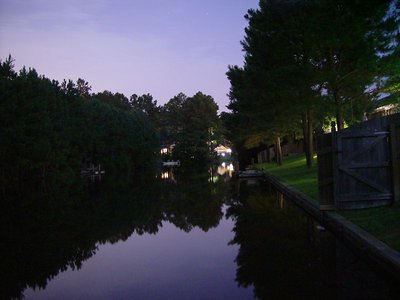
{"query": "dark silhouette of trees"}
(148, 106)
(310, 61)
(48, 129)
(172, 118)
(195, 127)
(117, 100)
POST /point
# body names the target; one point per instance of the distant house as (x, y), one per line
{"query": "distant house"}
(223, 151)
(385, 110)
(167, 149)
(388, 105)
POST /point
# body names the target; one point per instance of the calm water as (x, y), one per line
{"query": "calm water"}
(179, 235)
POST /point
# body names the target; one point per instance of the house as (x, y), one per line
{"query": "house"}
(223, 151)
(167, 149)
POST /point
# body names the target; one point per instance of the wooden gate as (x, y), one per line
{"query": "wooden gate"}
(395, 150)
(360, 165)
(363, 177)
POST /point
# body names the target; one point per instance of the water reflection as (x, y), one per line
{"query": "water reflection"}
(168, 175)
(280, 252)
(283, 253)
(45, 232)
(225, 168)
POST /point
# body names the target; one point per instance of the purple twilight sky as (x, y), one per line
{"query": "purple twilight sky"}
(161, 47)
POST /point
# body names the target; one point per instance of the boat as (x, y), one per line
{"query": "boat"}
(92, 171)
(171, 163)
(250, 173)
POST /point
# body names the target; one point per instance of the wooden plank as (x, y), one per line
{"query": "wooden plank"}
(368, 147)
(335, 164)
(364, 180)
(359, 204)
(368, 165)
(327, 207)
(395, 155)
(324, 151)
(363, 134)
(325, 188)
(325, 181)
(366, 197)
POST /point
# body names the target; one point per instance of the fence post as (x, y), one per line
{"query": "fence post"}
(395, 153)
(335, 167)
(325, 171)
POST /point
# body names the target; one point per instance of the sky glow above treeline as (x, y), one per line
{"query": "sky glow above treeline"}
(142, 46)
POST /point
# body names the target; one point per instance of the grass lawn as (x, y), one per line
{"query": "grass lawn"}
(382, 222)
(295, 173)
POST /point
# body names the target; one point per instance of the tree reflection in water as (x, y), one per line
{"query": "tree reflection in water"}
(283, 255)
(45, 233)
(281, 252)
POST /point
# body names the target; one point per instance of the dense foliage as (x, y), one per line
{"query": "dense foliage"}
(192, 125)
(198, 123)
(48, 128)
(308, 62)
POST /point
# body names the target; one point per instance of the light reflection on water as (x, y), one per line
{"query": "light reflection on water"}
(182, 235)
(225, 168)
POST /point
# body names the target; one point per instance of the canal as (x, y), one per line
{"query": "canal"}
(180, 234)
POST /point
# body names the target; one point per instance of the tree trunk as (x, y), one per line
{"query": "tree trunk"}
(339, 113)
(310, 140)
(339, 119)
(308, 137)
(278, 150)
(305, 133)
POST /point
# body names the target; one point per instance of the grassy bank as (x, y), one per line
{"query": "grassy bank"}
(295, 173)
(382, 222)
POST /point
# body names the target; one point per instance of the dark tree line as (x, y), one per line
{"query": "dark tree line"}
(48, 128)
(191, 124)
(309, 62)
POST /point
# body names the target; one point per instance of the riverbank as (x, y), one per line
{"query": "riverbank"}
(380, 256)
(294, 172)
(374, 233)
(383, 223)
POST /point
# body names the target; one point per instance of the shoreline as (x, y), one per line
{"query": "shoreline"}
(379, 254)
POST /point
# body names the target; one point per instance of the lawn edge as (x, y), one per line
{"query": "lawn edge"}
(382, 256)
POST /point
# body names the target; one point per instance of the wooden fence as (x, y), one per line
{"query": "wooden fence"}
(359, 167)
